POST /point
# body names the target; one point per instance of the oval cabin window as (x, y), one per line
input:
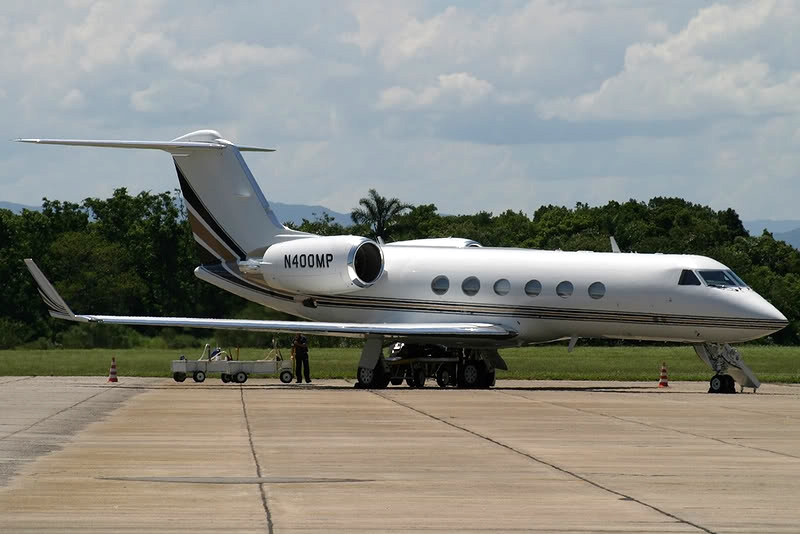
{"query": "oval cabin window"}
(564, 289)
(470, 286)
(533, 288)
(440, 285)
(502, 287)
(597, 290)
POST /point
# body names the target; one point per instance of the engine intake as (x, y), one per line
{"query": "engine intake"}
(326, 265)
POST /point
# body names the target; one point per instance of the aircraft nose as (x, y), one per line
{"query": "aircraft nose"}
(761, 310)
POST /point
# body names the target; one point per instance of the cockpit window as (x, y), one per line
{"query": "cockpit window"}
(688, 278)
(722, 279)
(735, 277)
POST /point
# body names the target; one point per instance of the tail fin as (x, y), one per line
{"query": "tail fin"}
(229, 215)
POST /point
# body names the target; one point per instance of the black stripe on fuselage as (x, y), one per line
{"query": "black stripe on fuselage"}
(219, 270)
(191, 198)
(544, 313)
(488, 310)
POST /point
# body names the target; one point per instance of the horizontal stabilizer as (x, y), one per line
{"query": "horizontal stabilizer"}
(169, 146)
(59, 309)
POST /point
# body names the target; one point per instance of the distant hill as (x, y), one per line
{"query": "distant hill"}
(774, 226)
(792, 237)
(297, 212)
(17, 208)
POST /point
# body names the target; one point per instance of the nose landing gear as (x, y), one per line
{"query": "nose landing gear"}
(729, 367)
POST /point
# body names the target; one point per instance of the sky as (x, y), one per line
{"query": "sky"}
(470, 106)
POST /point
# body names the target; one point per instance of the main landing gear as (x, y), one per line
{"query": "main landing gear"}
(415, 364)
(729, 367)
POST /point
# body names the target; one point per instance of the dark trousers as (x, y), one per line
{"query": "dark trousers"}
(301, 367)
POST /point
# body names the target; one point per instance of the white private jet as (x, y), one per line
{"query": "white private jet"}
(453, 294)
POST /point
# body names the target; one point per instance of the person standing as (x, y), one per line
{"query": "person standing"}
(300, 350)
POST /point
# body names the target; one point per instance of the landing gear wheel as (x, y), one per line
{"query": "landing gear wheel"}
(225, 377)
(717, 384)
(366, 377)
(444, 376)
(240, 377)
(286, 377)
(729, 384)
(179, 377)
(722, 384)
(382, 381)
(199, 376)
(396, 381)
(488, 379)
(470, 375)
(419, 375)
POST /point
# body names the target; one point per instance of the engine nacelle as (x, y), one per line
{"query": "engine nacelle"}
(326, 265)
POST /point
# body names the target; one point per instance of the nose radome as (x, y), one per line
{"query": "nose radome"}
(762, 309)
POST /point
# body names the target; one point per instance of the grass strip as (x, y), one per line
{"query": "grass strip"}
(551, 362)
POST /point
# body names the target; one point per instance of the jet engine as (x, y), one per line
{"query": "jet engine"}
(323, 265)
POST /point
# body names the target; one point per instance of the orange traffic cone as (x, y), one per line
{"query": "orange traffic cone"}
(112, 373)
(662, 382)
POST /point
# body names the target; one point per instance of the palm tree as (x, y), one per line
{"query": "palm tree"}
(378, 213)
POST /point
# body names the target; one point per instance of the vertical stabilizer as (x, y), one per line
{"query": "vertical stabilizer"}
(229, 215)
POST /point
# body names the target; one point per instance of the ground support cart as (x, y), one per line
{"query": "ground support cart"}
(231, 371)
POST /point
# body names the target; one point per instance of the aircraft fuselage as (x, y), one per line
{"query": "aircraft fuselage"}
(542, 295)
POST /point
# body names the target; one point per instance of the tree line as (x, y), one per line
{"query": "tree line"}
(135, 255)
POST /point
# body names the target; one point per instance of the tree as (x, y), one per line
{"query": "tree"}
(321, 225)
(378, 213)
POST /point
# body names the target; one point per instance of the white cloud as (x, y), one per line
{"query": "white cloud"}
(684, 76)
(74, 99)
(522, 102)
(376, 20)
(239, 56)
(169, 96)
(463, 87)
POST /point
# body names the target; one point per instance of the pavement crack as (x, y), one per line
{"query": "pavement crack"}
(14, 381)
(43, 419)
(551, 465)
(261, 488)
(656, 427)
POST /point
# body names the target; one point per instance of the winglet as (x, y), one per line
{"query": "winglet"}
(58, 308)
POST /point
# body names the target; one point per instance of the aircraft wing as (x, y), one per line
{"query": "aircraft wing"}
(59, 309)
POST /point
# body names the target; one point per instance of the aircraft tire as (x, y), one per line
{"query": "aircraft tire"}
(716, 384)
(730, 384)
(444, 376)
(418, 377)
(470, 376)
(396, 381)
(240, 377)
(366, 377)
(286, 377)
(382, 381)
(487, 379)
(179, 377)
(199, 376)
